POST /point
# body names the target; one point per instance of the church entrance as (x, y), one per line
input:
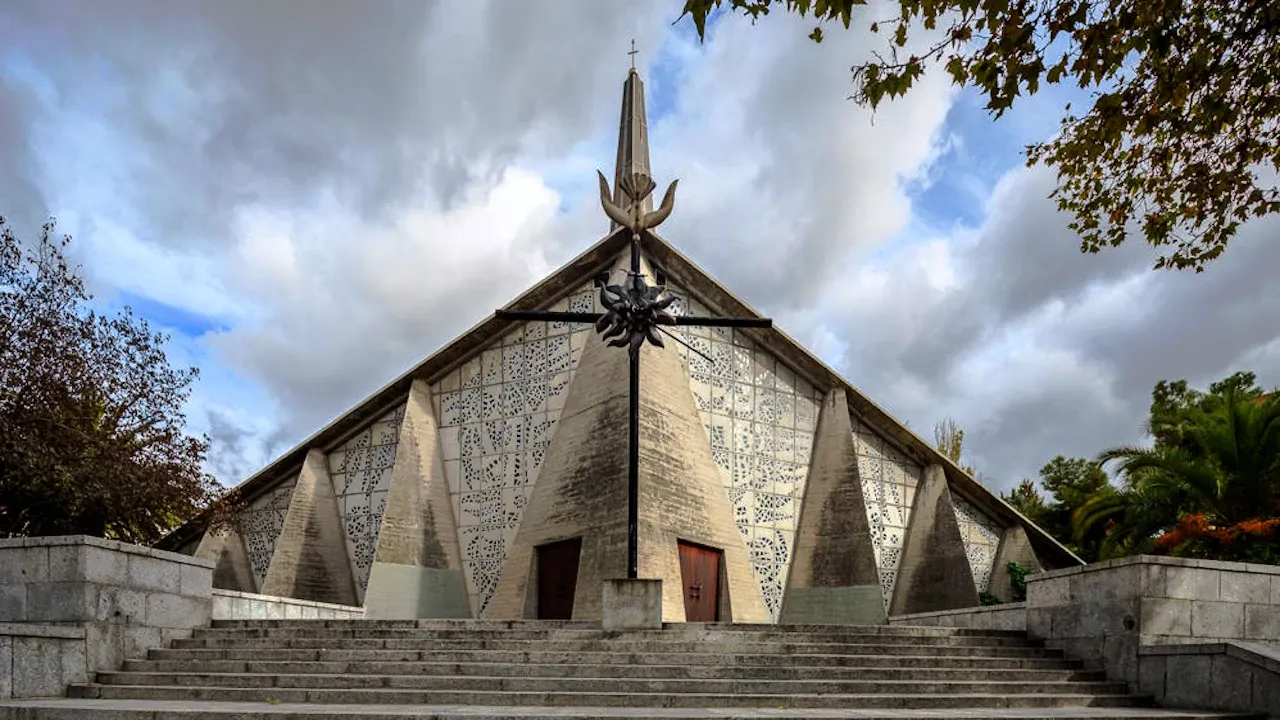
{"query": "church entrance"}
(700, 572)
(557, 579)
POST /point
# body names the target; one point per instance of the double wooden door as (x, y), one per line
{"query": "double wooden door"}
(700, 572)
(557, 579)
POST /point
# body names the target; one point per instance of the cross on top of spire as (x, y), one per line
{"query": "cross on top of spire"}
(633, 53)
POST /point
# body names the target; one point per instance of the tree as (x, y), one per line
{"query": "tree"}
(1182, 139)
(1026, 499)
(948, 438)
(92, 434)
(1070, 483)
(1209, 488)
(1172, 404)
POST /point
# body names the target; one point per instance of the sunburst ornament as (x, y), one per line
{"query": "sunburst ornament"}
(633, 313)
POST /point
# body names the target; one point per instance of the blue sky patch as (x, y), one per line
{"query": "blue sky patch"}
(164, 316)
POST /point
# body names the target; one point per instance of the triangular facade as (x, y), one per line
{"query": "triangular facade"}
(517, 423)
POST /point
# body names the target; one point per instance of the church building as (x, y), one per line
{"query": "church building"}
(492, 479)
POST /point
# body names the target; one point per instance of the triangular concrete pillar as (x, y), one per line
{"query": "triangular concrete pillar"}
(682, 495)
(581, 492)
(225, 546)
(310, 561)
(934, 572)
(834, 578)
(417, 569)
(1015, 546)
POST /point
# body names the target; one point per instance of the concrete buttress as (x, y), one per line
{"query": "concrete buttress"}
(834, 578)
(417, 568)
(310, 561)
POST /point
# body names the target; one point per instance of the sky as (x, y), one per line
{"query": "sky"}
(311, 197)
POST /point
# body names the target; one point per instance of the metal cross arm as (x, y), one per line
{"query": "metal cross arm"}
(635, 314)
(593, 317)
(552, 315)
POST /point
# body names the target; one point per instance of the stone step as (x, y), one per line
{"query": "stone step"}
(586, 625)
(620, 644)
(422, 623)
(319, 628)
(911, 699)
(373, 639)
(975, 669)
(630, 639)
(570, 634)
(852, 656)
(87, 709)
(614, 685)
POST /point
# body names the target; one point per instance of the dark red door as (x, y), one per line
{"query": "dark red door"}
(700, 570)
(557, 578)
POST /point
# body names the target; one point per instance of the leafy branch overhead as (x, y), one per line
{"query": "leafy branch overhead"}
(1182, 141)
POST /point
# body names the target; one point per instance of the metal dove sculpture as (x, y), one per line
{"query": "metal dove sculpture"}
(636, 186)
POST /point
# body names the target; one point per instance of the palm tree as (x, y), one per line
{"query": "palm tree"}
(1225, 468)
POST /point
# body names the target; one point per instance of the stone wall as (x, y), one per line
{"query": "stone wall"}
(1105, 612)
(1009, 616)
(40, 660)
(232, 605)
(1234, 676)
(120, 599)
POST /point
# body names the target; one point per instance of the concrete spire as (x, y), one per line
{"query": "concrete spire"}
(633, 144)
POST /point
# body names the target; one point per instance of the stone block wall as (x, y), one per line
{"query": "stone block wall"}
(1008, 616)
(122, 600)
(232, 605)
(1105, 612)
(1232, 676)
(40, 660)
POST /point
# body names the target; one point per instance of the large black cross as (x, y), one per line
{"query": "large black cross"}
(634, 313)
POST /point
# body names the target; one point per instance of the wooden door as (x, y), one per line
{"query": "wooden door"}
(700, 571)
(557, 578)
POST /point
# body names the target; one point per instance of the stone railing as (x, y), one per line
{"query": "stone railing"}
(1007, 616)
(73, 605)
(1234, 675)
(232, 605)
(1191, 633)
(1112, 614)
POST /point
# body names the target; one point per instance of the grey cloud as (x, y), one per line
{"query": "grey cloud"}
(1198, 326)
(234, 452)
(1025, 256)
(785, 179)
(21, 200)
(1058, 417)
(1122, 325)
(284, 103)
(786, 186)
(294, 108)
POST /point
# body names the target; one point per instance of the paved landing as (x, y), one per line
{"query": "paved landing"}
(54, 708)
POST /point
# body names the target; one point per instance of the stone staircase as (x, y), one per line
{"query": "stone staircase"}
(527, 669)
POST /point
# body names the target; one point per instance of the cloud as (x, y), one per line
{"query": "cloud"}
(346, 306)
(23, 202)
(318, 199)
(1037, 349)
(236, 103)
(784, 181)
(339, 191)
